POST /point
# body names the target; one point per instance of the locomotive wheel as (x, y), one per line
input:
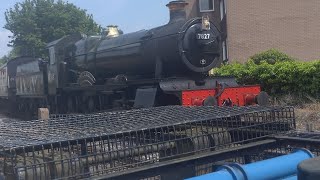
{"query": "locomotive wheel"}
(20, 107)
(32, 107)
(51, 106)
(91, 106)
(70, 104)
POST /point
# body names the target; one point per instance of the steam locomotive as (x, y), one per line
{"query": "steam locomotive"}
(167, 65)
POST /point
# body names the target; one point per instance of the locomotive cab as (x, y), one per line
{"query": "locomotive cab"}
(58, 66)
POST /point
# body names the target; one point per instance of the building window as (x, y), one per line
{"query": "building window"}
(206, 5)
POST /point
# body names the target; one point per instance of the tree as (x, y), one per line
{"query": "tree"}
(34, 23)
(3, 59)
(12, 54)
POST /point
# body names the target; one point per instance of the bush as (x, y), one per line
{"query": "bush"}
(271, 56)
(282, 76)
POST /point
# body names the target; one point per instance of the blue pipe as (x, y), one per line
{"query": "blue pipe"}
(295, 177)
(271, 169)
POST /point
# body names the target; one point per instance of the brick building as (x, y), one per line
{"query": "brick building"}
(252, 26)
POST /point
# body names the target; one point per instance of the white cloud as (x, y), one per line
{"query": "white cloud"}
(4, 40)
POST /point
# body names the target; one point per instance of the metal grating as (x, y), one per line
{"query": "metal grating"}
(197, 165)
(82, 146)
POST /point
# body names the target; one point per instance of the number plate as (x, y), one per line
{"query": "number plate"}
(203, 36)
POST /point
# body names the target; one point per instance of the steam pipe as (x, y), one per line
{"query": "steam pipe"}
(280, 167)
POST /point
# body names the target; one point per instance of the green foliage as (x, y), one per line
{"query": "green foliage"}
(281, 77)
(271, 56)
(3, 60)
(12, 54)
(37, 22)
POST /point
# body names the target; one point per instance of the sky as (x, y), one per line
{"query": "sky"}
(129, 15)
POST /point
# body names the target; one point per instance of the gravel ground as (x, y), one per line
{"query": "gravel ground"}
(307, 110)
(308, 114)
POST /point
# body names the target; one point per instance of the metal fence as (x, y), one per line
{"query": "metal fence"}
(197, 165)
(83, 146)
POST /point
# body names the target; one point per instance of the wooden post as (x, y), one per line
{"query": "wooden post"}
(43, 113)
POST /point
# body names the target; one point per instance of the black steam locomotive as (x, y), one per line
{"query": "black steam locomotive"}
(167, 65)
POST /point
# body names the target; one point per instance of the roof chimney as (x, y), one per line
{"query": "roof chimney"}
(177, 10)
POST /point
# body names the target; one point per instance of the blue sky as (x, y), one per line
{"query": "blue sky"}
(129, 15)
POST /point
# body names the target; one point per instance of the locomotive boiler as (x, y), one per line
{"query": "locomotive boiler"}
(180, 48)
(166, 65)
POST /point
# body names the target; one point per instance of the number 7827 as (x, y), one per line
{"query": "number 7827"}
(203, 36)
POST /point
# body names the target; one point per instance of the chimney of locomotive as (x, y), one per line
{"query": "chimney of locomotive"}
(177, 10)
